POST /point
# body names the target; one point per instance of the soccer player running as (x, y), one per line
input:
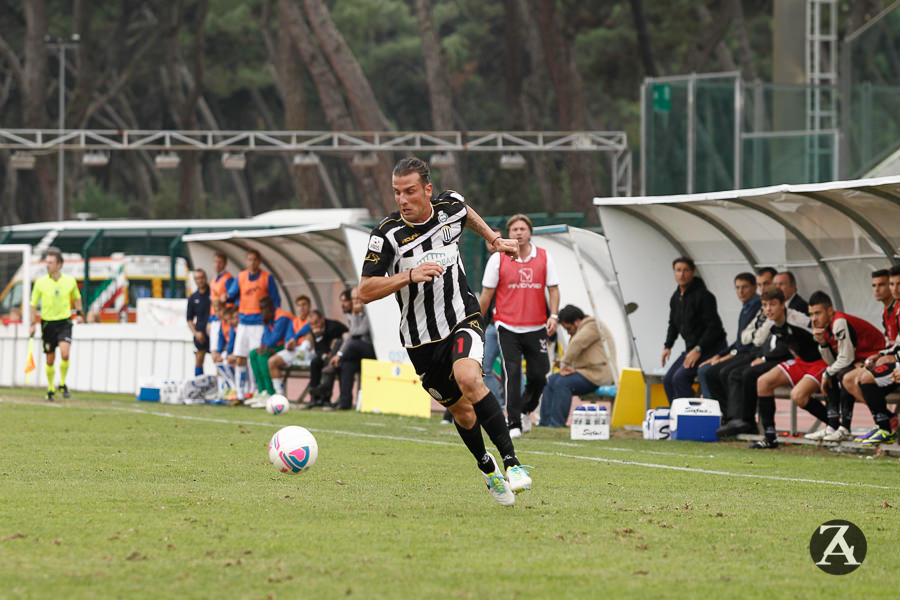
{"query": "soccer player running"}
(56, 294)
(414, 254)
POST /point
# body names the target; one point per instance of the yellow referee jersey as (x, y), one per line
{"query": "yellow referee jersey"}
(55, 297)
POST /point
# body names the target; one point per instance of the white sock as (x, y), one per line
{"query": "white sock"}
(278, 384)
(241, 380)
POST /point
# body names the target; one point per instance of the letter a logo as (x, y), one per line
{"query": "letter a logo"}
(838, 547)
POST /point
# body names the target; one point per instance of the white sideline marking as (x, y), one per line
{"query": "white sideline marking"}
(442, 443)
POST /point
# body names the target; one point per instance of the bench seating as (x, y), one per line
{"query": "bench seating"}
(785, 392)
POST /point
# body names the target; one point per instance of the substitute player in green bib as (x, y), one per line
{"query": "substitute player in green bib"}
(57, 294)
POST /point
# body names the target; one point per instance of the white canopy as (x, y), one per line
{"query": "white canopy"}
(321, 260)
(830, 235)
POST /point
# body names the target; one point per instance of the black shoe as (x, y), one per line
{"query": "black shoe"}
(764, 444)
(734, 427)
(49, 397)
(65, 391)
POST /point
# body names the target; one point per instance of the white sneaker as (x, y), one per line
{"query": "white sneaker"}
(515, 433)
(526, 423)
(817, 436)
(518, 477)
(841, 434)
(498, 486)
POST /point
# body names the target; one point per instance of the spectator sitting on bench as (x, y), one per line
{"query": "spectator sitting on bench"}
(693, 315)
(787, 283)
(327, 336)
(871, 382)
(297, 344)
(713, 372)
(802, 373)
(584, 366)
(843, 340)
(276, 327)
(356, 346)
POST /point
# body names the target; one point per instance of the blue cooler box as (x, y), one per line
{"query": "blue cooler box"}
(695, 419)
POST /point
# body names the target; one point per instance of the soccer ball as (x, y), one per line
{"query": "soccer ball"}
(277, 404)
(293, 449)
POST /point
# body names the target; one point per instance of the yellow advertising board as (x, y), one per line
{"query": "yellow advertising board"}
(392, 388)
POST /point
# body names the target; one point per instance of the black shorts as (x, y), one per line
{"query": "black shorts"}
(434, 362)
(54, 332)
(204, 347)
(883, 376)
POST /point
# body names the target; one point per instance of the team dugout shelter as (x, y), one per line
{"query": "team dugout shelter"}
(832, 236)
(321, 260)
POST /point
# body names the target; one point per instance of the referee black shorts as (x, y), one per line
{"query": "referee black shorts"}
(434, 361)
(54, 332)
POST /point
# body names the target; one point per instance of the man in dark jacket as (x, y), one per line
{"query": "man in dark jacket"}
(694, 316)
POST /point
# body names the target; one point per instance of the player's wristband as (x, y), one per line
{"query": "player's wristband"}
(555, 317)
(494, 241)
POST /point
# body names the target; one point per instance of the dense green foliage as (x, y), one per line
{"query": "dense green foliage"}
(237, 64)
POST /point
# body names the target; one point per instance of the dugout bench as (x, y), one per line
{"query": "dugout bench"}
(785, 392)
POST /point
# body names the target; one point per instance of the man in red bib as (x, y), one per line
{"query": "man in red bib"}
(521, 316)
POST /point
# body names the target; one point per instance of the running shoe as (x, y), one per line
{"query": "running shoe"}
(518, 477)
(881, 436)
(764, 444)
(65, 391)
(498, 486)
(868, 434)
(817, 436)
(841, 434)
(49, 397)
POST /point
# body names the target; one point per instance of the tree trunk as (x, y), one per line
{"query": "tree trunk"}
(332, 102)
(745, 52)
(440, 93)
(531, 101)
(34, 102)
(307, 185)
(643, 40)
(558, 47)
(357, 90)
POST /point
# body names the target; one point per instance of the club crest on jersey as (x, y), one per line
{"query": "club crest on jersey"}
(376, 244)
(442, 217)
(446, 234)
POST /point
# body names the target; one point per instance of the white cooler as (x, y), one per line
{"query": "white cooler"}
(695, 419)
(656, 424)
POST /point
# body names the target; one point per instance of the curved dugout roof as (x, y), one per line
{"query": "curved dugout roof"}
(321, 260)
(311, 260)
(830, 235)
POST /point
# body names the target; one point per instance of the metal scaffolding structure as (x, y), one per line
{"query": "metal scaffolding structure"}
(615, 143)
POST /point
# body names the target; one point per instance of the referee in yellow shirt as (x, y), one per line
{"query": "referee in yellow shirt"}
(57, 294)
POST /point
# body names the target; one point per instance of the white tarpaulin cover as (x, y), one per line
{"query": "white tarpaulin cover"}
(830, 235)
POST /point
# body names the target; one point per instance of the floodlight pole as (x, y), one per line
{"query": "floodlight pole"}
(59, 45)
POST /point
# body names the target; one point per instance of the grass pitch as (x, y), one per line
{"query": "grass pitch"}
(104, 497)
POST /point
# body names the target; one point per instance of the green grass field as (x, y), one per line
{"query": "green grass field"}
(104, 497)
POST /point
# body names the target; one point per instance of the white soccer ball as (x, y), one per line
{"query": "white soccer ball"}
(293, 449)
(277, 404)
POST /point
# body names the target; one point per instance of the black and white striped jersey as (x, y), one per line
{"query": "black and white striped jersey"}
(429, 310)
